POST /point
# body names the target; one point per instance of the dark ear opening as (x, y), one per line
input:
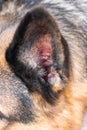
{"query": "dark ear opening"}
(39, 31)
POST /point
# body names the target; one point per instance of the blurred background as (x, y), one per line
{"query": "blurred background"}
(13, 10)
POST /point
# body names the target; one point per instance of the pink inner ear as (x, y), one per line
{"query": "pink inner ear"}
(45, 46)
(45, 51)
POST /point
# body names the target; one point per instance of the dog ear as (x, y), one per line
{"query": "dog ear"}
(39, 54)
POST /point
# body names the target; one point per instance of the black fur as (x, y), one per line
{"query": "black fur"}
(26, 73)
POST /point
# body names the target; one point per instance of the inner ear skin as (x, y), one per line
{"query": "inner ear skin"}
(45, 50)
(34, 54)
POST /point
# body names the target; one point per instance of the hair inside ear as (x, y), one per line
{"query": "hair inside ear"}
(38, 54)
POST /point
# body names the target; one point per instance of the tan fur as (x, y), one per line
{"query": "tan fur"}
(5, 39)
(66, 114)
